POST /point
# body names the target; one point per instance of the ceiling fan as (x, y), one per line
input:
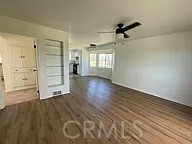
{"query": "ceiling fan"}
(120, 31)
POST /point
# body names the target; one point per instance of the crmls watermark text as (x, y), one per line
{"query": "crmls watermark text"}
(117, 130)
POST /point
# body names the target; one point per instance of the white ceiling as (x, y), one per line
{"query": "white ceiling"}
(83, 18)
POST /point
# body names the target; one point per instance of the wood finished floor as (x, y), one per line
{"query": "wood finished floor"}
(95, 99)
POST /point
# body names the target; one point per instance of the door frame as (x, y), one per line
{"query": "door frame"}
(3, 36)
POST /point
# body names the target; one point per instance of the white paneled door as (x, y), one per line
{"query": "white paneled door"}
(28, 56)
(16, 56)
(30, 78)
(18, 79)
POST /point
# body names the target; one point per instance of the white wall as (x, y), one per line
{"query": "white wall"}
(85, 62)
(72, 52)
(0, 58)
(40, 33)
(160, 66)
(6, 64)
(2, 104)
(97, 71)
(101, 72)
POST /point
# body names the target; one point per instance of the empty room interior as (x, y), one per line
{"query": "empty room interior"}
(96, 72)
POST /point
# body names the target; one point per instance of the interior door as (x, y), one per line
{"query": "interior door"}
(30, 78)
(16, 56)
(18, 79)
(28, 57)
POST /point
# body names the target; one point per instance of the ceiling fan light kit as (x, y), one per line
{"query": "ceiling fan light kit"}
(119, 36)
(120, 32)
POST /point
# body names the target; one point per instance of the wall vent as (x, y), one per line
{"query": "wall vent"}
(54, 93)
(57, 93)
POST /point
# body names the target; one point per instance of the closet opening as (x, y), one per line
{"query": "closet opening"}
(18, 69)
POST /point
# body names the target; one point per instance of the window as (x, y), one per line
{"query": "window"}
(105, 60)
(93, 60)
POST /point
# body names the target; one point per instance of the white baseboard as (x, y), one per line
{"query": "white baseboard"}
(155, 95)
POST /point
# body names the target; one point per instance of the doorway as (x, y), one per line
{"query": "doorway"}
(18, 69)
(75, 63)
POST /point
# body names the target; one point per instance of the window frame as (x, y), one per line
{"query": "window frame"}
(95, 60)
(108, 53)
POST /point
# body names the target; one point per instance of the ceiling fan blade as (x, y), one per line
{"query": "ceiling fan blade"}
(106, 32)
(126, 36)
(133, 25)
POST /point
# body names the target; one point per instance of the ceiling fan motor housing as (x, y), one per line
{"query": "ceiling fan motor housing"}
(120, 30)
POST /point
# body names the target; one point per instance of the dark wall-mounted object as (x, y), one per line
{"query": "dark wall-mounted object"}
(75, 69)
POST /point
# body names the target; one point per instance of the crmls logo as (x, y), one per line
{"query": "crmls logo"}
(117, 130)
